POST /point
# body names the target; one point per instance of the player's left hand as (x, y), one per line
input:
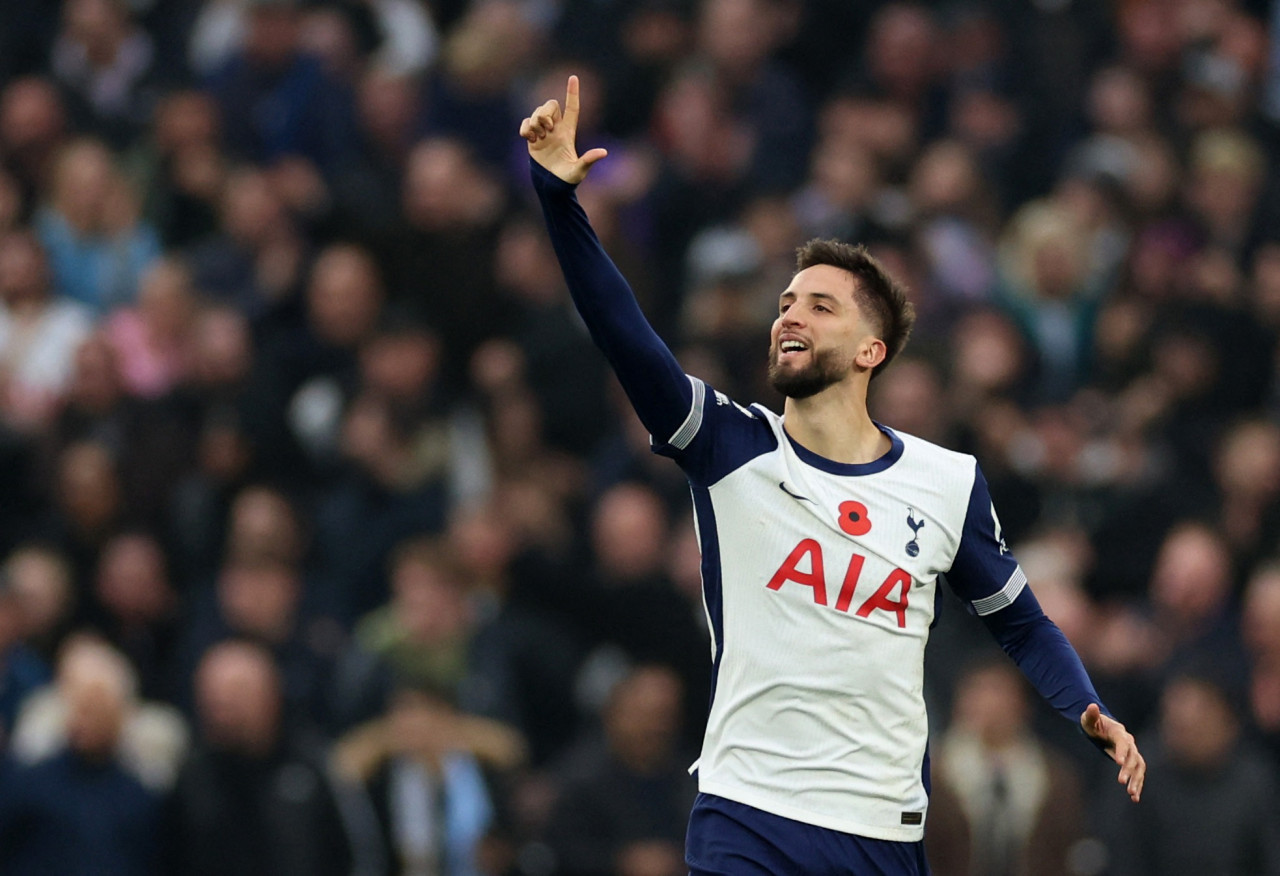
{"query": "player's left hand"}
(552, 134)
(1119, 744)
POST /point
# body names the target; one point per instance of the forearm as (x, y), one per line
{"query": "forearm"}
(1044, 655)
(491, 742)
(652, 378)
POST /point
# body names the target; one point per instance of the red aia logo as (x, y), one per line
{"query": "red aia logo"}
(854, 519)
(816, 579)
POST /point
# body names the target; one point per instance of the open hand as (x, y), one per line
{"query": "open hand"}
(1117, 742)
(552, 133)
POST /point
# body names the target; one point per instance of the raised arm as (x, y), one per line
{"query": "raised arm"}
(654, 382)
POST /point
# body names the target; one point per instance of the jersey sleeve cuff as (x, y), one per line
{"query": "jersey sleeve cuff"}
(547, 183)
(1003, 597)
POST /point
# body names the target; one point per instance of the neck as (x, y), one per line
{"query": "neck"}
(835, 424)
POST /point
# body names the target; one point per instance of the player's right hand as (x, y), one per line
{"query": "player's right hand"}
(552, 134)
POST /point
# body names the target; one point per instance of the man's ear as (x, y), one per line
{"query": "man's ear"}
(871, 353)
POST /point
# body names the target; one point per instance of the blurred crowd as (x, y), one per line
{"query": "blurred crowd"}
(329, 546)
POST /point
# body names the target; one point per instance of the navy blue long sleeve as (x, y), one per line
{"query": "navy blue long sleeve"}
(986, 576)
(1044, 655)
(655, 383)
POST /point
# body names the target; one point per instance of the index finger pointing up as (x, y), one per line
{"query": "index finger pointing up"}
(571, 102)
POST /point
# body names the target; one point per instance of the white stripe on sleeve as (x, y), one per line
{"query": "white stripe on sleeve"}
(1004, 597)
(692, 423)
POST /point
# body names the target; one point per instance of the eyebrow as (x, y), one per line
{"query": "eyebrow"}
(823, 296)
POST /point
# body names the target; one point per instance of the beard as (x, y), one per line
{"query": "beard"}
(825, 368)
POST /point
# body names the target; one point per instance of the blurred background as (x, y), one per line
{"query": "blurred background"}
(329, 546)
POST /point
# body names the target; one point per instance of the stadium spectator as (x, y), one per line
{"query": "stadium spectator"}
(98, 246)
(259, 599)
(420, 639)
(524, 651)
(424, 772)
(956, 220)
(737, 40)
(88, 507)
(1002, 801)
(255, 795)
(80, 810)
(1246, 470)
(152, 739)
(624, 798)
(394, 34)
(152, 338)
(702, 180)
(556, 357)
(137, 609)
(387, 492)
(633, 606)
(1190, 595)
(104, 62)
(440, 262)
(1046, 285)
(913, 395)
(255, 260)
(150, 439)
(311, 371)
(471, 96)
(1211, 791)
(1260, 632)
(39, 333)
(33, 128)
(279, 103)
(21, 670)
(263, 524)
(201, 499)
(40, 579)
(366, 191)
(180, 167)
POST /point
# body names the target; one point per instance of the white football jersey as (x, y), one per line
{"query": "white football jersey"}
(819, 581)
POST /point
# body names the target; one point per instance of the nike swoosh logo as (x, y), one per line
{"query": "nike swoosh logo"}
(783, 486)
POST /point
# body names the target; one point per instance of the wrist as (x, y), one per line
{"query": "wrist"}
(546, 181)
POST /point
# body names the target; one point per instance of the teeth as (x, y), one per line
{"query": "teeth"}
(791, 346)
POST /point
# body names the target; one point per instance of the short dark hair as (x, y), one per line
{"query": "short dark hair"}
(883, 298)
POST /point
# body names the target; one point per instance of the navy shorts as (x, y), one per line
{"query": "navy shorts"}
(733, 839)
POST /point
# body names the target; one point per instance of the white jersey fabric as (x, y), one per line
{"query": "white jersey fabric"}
(819, 581)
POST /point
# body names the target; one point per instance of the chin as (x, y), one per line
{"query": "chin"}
(798, 384)
(804, 381)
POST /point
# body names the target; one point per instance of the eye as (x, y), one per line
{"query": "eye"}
(782, 308)
(822, 307)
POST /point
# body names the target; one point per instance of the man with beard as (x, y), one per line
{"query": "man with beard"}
(823, 535)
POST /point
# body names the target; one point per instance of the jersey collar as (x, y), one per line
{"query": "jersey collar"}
(850, 468)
